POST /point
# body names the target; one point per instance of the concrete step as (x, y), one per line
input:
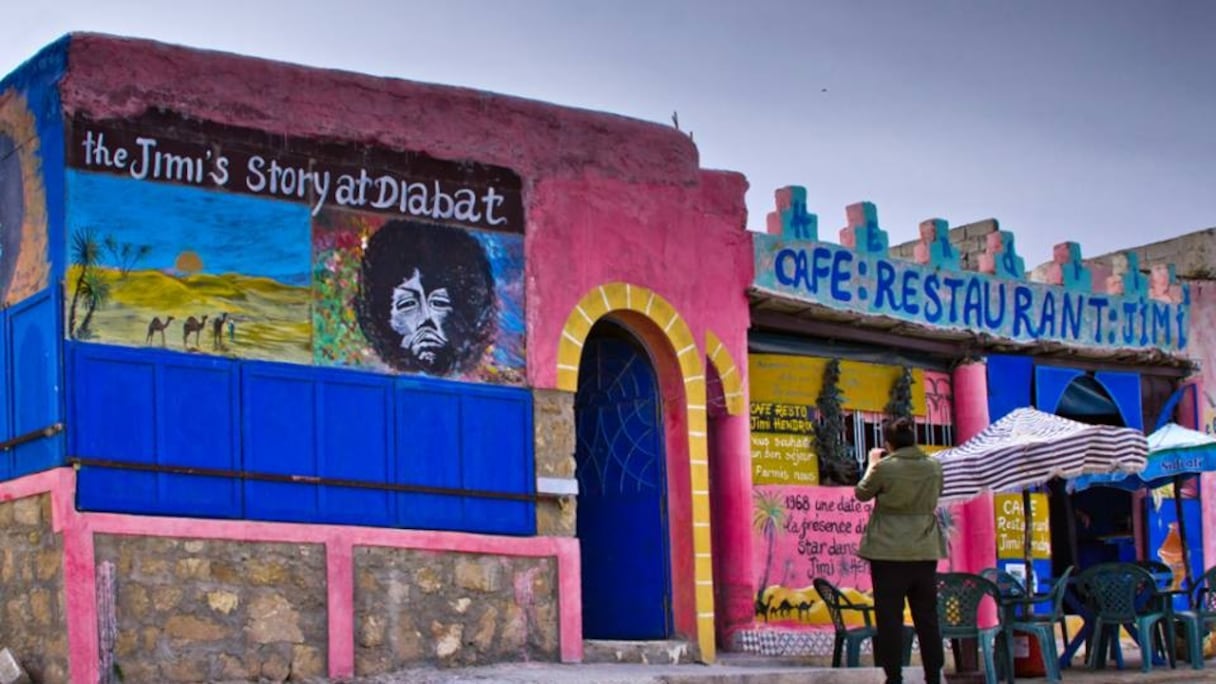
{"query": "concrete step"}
(663, 652)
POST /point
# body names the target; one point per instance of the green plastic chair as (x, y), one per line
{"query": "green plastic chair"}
(1009, 585)
(1203, 601)
(1117, 592)
(959, 596)
(851, 638)
(1195, 621)
(1042, 626)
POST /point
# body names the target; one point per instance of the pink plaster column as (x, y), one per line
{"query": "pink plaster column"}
(978, 524)
(731, 493)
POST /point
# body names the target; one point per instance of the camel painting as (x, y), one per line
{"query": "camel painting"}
(158, 326)
(217, 331)
(193, 326)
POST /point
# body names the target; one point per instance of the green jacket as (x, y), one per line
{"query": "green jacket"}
(903, 525)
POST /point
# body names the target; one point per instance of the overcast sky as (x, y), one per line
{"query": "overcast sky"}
(1091, 120)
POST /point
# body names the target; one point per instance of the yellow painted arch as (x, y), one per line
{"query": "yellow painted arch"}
(622, 297)
(728, 371)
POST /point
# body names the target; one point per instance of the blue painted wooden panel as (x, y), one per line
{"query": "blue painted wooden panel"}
(196, 419)
(154, 408)
(280, 437)
(496, 429)
(114, 394)
(428, 454)
(1124, 388)
(355, 442)
(6, 397)
(1009, 384)
(36, 379)
(162, 408)
(1050, 383)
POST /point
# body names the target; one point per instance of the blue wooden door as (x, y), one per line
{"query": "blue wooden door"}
(622, 506)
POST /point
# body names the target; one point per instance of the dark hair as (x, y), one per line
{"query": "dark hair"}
(899, 432)
(450, 258)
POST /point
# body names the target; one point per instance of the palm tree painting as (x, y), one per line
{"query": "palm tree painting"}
(768, 515)
(945, 520)
(91, 286)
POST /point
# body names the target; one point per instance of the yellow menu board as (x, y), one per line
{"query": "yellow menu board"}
(1011, 526)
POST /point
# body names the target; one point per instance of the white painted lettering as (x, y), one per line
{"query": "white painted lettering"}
(492, 200)
(142, 166)
(256, 180)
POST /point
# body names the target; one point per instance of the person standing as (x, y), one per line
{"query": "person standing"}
(903, 544)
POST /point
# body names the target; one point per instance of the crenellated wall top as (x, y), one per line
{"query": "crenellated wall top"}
(1065, 301)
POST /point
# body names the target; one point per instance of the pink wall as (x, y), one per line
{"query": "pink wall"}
(80, 566)
(607, 198)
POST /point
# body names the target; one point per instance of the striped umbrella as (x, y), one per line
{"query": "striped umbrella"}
(1175, 452)
(1029, 447)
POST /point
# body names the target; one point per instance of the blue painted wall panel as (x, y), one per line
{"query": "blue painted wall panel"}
(114, 394)
(36, 381)
(163, 408)
(196, 423)
(6, 398)
(428, 454)
(1009, 383)
(279, 436)
(495, 428)
(1124, 389)
(355, 442)
(1050, 383)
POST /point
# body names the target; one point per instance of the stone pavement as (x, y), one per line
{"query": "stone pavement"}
(726, 673)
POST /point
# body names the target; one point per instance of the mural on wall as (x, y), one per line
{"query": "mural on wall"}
(24, 269)
(419, 297)
(198, 237)
(802, 530)
(182, 268)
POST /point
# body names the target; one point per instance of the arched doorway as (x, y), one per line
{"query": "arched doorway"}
(1095, 525)
(622, 503)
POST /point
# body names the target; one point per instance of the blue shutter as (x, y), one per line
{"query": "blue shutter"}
(355, 437)
(1009, 383)
(279, 437)
(496, 428)
(197, 419)
(34, 345)
(114, 392)
(428, 454)
(1124, 389)
(1050, 382)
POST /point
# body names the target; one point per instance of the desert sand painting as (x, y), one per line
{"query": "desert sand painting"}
(187, 269)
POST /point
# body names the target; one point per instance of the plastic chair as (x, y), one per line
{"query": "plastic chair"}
(1156, 568)
(1203, 600)
(1043, 626)
(1195, 621)
(1009, 585)
(852, 637)
(959, 596)
(1116, 590)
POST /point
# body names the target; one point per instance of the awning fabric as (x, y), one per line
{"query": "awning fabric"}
(1173, 451)
(1029, 447)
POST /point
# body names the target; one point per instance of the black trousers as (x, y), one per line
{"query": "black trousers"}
(915, 581)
